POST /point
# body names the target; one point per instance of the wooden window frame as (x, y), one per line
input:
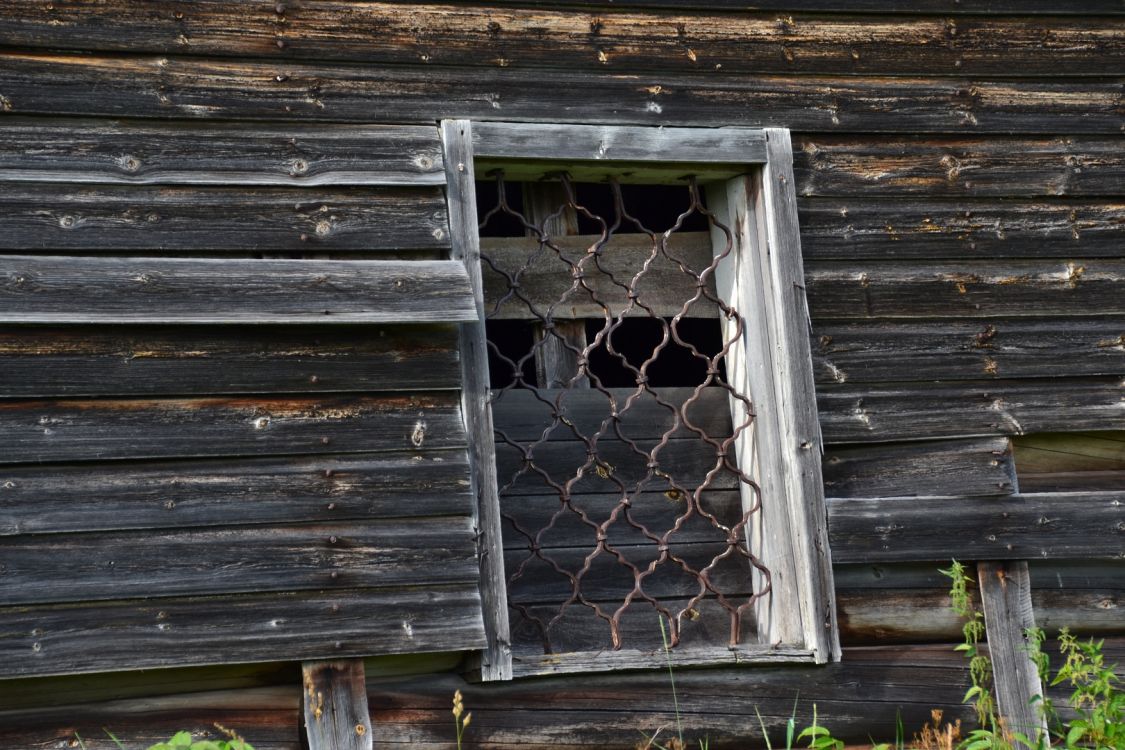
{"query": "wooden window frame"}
(749, 177)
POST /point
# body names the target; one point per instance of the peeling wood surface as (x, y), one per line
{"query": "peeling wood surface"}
(623, 40)
(1088, 525)
(165, 87)
(334, 705)
(151, 361)
(75, 638)
(964, 349)
(34, 431)
(182, 153)
(125, 219)
(58, 289)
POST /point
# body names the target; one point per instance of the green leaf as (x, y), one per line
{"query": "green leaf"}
(1077, 730)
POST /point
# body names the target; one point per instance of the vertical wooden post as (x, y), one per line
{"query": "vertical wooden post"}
(334, 705)
(1005, 589)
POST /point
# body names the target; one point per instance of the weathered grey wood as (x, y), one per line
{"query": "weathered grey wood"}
(1001, 167)
(1087, 525)
(104, 566)
(966, 468)
(923, 228)
(150, 290)
(624, 40)
(178, 153)
(92, 85)
(976, 289)
(194, 494)
(949, 350)
(945, 7)
(334, 710)
(77, 638)
(927, 411)
(34, 431)
(629, 659)
(125, 219)
(495, 660)
(1005, 591)
(148, 361)
(1085, 596)
(664, 287)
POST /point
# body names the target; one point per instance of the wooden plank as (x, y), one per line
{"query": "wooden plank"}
(1080, 452)
(967, 468)
(150, 361)
(1005, 591)
(547, 278)
(179, 153)
(93, 85)
(122, 219)
(34, 431)
(949, 350)
(928, 411)
(625, 40)
(1039, 526)
(77, 638)
(334, 705)
(889, 7)
(923, 228)
(495, 660)
(631, 659)
(150, 290)
(1085, 596)
(996, 167)
(976, 289)
(246, 492)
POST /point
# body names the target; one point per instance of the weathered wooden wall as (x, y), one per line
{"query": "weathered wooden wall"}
(959, 172)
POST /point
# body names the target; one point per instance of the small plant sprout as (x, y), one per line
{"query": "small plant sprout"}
(460, 718)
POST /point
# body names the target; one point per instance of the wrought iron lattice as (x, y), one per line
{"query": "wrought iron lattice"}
(593, 479)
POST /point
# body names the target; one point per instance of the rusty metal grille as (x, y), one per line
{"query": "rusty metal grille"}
(621, 497)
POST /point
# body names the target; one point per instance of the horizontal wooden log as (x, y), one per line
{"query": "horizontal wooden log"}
(946, 7)
(926, 229)
(194, 494)
(137, 86)
(947, 350)
(1073, 452)
(976, 289)
(75, 638)
(56, 568)
(545, 277)
(932, 468)
(189, 219)
(100, 361)
(34, 431)
(1037, 526)
(927, 411)
(100, 151)
(1085, 597)
(1001, 167)
(380, 32)
(147, 290)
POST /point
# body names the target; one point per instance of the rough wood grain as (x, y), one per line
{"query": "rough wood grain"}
(950, 350)
(1081, 452)
(247, 492)
(931, 468)
(76, 638)
(974, 289)
(55, 289)
(626, 40)
(34, 431)
(181, 153)
(946, 7)
(926, 229)
(150, 361)
(999, 167)
(1038, 526)
(1005, 590)
(334, 705)
(126, 219)
(927, 411)
(164, 87)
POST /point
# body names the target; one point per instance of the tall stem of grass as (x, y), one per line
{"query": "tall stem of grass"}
(672, 680)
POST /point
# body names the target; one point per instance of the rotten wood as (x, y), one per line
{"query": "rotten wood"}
(148, 290)
(334, 713)
(103, 429)
(378, 33)
(168, 220)
(1088, 526)
(93, 85)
